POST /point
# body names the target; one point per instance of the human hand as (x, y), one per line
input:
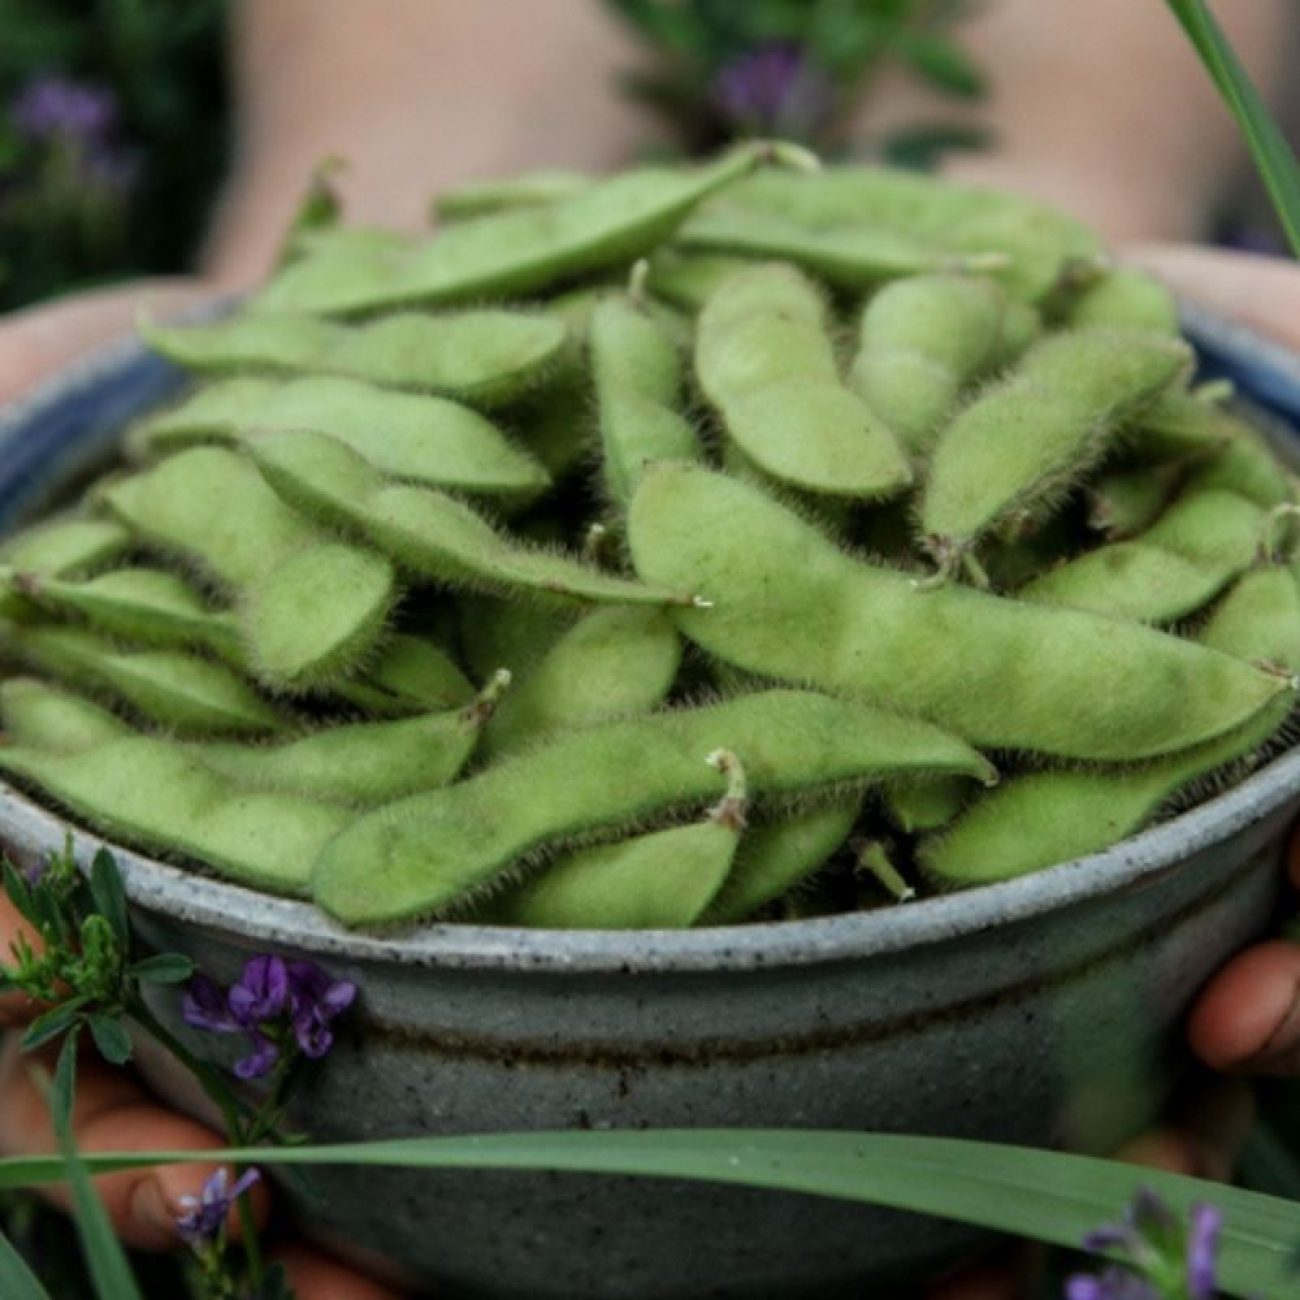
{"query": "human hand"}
(113, 1112)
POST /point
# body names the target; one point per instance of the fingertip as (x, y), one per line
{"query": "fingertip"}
(315, 1276)
(1249, 1016)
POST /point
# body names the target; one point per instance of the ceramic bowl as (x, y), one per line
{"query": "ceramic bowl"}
(1045, 1011)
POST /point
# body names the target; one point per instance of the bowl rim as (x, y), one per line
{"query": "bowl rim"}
(264, 920)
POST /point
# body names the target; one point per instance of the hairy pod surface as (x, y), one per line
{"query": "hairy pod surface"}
(787, 603)
(36, 715)
(419, 855)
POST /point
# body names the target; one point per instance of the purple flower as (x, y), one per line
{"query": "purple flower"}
(1113, 1284)
(774, 89)
(261, 993)
(203, 1006)
(1203, 1252)
(316, 1000)
(49, 107)
(280, 1006)
(206, 1214)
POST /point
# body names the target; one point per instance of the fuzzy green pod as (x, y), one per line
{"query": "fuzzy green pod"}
(409, 675)
(361, 764)
(1247, 466)
(417, 439)
(921, 342)
(484, 357)
(786, 603)
(664, 880)
(779, 856)
(638, 379)
(1127, 501)
(1123, 298)
(529, 189)
(58, 548)
(417, 856)
(612, 223)
(426, 531)
(1184, 423)
(615, 662)
(149, 606)
(496, 633)
(1191, 553)
(1044, 818)
(765, 359)
(146, 792)
(1024, 439)
(851, 258)
(688, 280)
(1039, 242)
(212, 508)
(172, 689)
(35, 715)
(915, 806)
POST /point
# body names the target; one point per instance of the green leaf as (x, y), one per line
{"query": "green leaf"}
(109, 895)
(111, 1038)
(55, 1021)
(19, 892)
(106, 1260)
(162, 968)
(942, 63)
(17, 1281)
(1043, 1195)
(1268, 146)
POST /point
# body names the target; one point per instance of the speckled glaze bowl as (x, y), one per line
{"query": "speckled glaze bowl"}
(1043, 1011)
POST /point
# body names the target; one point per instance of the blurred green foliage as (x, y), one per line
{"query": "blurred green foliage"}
(133, 200)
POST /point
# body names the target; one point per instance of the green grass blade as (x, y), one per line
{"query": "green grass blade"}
(1273, 156)
(1042, 1195)
(106, 1260)
(17, 1281)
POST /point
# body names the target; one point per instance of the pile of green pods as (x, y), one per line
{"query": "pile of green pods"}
(747, 541)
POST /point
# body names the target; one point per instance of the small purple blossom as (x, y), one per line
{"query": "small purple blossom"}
(51, 107)
(1152, 1242)
(205, 1215)
(774, 89)
(1203, 1252)
(278, 1005)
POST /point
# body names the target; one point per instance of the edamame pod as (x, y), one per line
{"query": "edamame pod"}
(926, 805)
(611, 224)
(310, 607)
(851, 258)
(60, 548)
(414, 438)
(426, 531)
(148, 606)
(484, 357)
(419, 855)
(1126, 502)
(638, 380)
(1044, 818)
(1196, 548)
(1123, 298)
(174, 690)
(689, 280)
(145, 792)
(921, 342)
(36, 715)
(660, 881)
(1023, 440)
(764, 358)
(361, 764)
(410, 675)
(506, 193)
(616, 662)
(784, 602)
(776, 858)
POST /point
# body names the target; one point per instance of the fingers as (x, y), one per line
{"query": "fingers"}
(38, 341)
(314, 1276)
(1262, 291)
(1203, 1134)
(1248, 1019)
(16, 1008)
(113, 1114)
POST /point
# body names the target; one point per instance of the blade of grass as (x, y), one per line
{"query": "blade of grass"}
(1273, 156)
(1043, 1195)
(17, 1281)
(109, 1270)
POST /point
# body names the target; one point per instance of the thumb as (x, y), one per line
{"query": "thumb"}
(1263, 292)
(38, 341)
